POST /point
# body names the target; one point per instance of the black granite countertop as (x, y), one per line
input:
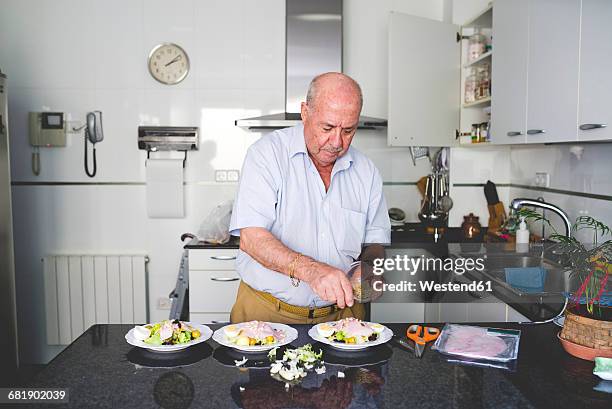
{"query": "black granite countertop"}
(101, 370)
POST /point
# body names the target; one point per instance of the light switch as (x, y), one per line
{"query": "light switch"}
(221, 176)
(233, 175)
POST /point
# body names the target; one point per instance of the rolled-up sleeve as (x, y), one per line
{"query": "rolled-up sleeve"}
(378, 226)
(255, 204)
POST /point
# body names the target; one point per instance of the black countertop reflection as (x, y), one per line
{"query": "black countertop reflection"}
(101, 370)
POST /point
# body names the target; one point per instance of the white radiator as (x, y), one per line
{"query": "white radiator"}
(82, 290)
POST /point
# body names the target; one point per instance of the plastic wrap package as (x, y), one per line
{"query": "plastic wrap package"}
(478, 343)
(215, 227)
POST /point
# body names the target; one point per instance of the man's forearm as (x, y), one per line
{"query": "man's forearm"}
(271, 253)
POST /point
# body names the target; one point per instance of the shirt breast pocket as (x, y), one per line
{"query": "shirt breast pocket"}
(350, 229)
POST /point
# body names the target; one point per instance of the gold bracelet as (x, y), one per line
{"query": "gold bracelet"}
(292, 267)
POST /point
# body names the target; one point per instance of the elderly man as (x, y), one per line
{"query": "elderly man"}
(306, 202)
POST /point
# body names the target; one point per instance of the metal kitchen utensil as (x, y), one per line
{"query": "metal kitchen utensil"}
(405, 345)
(421, 335)
(419, 152)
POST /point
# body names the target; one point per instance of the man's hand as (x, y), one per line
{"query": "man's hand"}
(331, 284)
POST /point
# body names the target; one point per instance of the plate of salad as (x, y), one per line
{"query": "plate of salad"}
(350, 334)
(255, 336)
(168, 335)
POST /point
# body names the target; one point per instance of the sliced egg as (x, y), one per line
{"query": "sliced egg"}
(231, 331)
(325, 330)
(141, 333)
(243, 341)
(377, 328)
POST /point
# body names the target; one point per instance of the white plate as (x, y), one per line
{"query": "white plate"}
(291, 335)
(205, 333)
(383, 338)
(606, 376)
(560, 321)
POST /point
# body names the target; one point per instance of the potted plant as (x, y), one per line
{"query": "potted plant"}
(587, 331)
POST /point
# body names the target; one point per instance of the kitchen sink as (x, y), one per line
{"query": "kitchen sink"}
(526, 275)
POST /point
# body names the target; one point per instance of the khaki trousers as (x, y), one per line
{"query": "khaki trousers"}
(251, 306)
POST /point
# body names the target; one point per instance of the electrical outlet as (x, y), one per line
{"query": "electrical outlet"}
(221, 176)
(542, 179)
(164, 303)
(233, 175)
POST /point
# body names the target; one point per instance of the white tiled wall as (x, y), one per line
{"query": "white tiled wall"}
(76, 56)
(589, 173)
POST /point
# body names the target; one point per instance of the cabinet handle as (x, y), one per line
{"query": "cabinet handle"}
(535, 131)
(224, 279)
(223, 258)
(514, 133)
(587, 127)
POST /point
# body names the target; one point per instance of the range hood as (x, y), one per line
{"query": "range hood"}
(313, 46)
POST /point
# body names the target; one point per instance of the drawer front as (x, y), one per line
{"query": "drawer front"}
(209, 318)
(212, 259)
(212, 291)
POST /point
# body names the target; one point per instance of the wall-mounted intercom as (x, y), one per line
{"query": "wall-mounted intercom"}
(47, 129)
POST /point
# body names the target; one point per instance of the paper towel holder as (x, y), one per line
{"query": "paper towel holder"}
(168, 138)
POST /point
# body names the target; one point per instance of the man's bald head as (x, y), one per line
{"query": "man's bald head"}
(330, 116)
(333, 84)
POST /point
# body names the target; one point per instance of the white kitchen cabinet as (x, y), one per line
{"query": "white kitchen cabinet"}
(213, 284)
(489, 309)
(595, 71)
(424, 96)
(509, 71)
(513, 315)
(553, 67)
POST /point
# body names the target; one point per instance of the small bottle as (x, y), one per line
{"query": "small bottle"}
(522, 237)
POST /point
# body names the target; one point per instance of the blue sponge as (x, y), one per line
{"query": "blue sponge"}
(526, 279)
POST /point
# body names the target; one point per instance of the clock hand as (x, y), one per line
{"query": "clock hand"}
(175, 59)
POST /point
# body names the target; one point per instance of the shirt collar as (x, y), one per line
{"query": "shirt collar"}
(297, 143)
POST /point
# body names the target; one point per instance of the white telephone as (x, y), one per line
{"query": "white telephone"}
(93, 134)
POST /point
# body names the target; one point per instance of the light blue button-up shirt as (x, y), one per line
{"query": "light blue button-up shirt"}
(282, 191)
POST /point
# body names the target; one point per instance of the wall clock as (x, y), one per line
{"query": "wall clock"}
(168, 63)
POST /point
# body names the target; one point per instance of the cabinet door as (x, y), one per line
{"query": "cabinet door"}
(509, 71)
(424, 95)
(595, 71)
(552, 92)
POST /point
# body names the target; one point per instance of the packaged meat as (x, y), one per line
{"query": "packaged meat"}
(482, 343)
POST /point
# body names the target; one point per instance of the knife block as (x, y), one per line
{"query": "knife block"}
(497, 216)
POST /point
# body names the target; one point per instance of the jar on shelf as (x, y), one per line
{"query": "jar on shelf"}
(476, 45)
(483, 80)
(471, 85)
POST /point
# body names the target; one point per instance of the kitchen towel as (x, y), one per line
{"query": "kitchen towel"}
(165, 196)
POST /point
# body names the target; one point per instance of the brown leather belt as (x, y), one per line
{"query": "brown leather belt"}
(297, 310)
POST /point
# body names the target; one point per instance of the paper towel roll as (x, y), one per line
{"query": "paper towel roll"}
(165, 197)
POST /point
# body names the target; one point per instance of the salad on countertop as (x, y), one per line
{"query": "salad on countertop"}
(168, 332)
(253, 333)
(350, 331)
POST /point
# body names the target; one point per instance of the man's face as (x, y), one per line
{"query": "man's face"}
(330, 124)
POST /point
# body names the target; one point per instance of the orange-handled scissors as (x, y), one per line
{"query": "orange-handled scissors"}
(421, 335)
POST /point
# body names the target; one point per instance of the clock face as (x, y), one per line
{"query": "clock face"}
(168, 63)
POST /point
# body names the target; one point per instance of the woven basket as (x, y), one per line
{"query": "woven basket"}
(587, 331)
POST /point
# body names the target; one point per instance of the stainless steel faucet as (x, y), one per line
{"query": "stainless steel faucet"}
(521, 202)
